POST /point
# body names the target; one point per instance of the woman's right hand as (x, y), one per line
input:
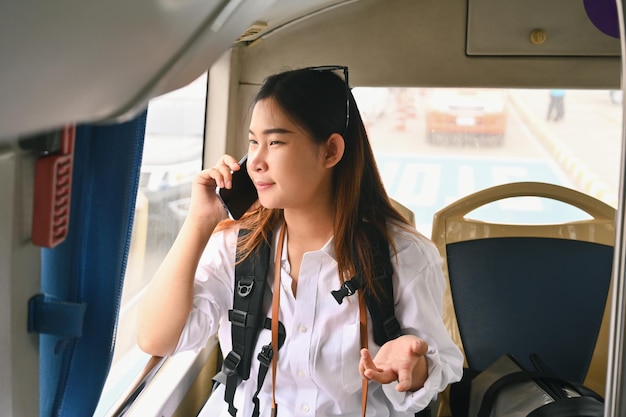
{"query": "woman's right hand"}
(205, 203)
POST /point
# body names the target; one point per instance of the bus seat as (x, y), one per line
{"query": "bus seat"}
(529, 288)
(405, 211)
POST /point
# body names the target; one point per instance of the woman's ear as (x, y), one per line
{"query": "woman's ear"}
(334, 149)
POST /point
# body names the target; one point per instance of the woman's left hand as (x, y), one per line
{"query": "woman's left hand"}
(402, 359)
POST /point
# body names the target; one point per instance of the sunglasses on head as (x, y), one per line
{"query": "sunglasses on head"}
(344, 70)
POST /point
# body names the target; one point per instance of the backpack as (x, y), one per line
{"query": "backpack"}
(248, 317)
(506, 388)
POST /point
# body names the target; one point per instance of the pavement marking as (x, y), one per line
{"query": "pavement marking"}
(580, 173)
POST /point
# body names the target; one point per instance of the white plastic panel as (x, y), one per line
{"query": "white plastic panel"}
(19, 280)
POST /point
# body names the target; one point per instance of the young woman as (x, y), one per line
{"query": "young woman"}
(318, 184)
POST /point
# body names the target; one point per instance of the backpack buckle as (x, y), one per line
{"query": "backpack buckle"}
(347, 289)
(265, 355)
(244, 286)
(238, 317)
(231, 362)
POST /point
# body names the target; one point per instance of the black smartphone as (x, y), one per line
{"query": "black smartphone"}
(242, 195)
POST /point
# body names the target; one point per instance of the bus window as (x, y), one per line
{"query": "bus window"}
(435, 145)
(172, 155)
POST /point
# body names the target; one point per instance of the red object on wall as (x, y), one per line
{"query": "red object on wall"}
(53, 189)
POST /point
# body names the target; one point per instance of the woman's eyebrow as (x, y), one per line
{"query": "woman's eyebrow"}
(273, 130)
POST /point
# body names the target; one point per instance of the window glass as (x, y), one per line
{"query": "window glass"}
(172, 156)
(434, 146)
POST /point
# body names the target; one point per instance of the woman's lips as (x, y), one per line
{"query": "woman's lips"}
(262, 185)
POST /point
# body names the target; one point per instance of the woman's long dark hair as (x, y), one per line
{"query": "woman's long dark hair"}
(316, 101)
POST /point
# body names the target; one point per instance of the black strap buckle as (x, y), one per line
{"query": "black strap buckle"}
(265, 355)
(231, 362)
(238, 317)
(347, 289)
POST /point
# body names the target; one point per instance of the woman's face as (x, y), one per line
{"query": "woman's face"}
(287, 167)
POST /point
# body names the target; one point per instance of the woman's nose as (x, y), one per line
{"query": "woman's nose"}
(255, 161)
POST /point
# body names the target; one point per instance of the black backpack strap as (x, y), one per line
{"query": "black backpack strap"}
(382, 310)
(384, 323)
(542, 367)
(247, 317)
(265, 359)
(569, 407)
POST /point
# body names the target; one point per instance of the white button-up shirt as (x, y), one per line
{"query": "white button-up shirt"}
(318, 364)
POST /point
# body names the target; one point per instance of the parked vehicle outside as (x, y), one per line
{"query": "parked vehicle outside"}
(466, 116)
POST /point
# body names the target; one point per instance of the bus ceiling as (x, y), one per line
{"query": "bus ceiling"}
(72, 62)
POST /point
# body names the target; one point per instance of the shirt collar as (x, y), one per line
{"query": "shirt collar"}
(328, 248)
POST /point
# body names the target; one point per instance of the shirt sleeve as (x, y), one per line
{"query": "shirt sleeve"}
(419, 284)
(213, 291)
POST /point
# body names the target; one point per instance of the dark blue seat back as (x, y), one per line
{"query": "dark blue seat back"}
(523, 295)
